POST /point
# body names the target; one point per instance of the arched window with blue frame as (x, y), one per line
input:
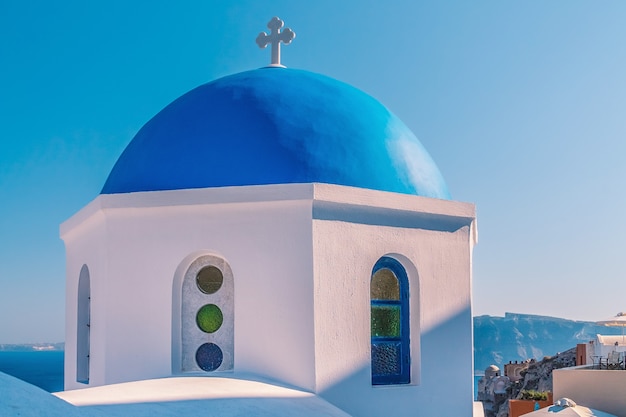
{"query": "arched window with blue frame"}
(389, 298)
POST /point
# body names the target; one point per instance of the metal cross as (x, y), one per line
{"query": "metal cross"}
(275, 38)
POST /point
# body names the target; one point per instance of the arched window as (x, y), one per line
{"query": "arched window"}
(207, 316)
(83, 324)
(389, 298)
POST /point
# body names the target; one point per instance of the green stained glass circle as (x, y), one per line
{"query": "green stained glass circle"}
(209, 279)
(209, 318)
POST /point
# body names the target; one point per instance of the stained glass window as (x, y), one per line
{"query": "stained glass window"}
(385, 358)
(385, 285)
(209, 357)
(386, 320)
(389, 295)
(205, 339)
(209, 318)
(209, 279)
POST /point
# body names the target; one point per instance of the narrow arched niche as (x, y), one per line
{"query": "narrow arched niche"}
(203, 340)
(83, 326)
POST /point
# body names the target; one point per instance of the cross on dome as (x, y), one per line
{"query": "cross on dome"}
(275, 38)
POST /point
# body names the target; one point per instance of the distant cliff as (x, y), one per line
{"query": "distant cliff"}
(495, 391)
(498, 340)
(29, 347)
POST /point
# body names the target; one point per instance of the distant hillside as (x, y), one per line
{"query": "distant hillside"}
(498, 340)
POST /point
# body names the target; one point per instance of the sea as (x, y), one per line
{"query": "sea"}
(45, 368)
(476, 379)
(41, 368)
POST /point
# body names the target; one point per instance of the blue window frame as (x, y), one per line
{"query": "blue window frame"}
(389, 298)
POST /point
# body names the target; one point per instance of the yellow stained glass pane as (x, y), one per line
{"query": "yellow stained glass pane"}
(385, 285)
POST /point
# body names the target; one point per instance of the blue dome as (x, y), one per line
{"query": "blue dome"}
(276, 126)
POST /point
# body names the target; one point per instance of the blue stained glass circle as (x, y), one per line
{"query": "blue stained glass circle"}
(209, 357)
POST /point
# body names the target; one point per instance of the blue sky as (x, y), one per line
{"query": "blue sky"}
(521, 104)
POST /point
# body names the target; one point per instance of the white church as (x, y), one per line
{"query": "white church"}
(273, 234)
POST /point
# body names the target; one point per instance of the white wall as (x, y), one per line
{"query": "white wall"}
(301, 256)
(594, 388)
(266, 243)
(438, 264)
(86, 246)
